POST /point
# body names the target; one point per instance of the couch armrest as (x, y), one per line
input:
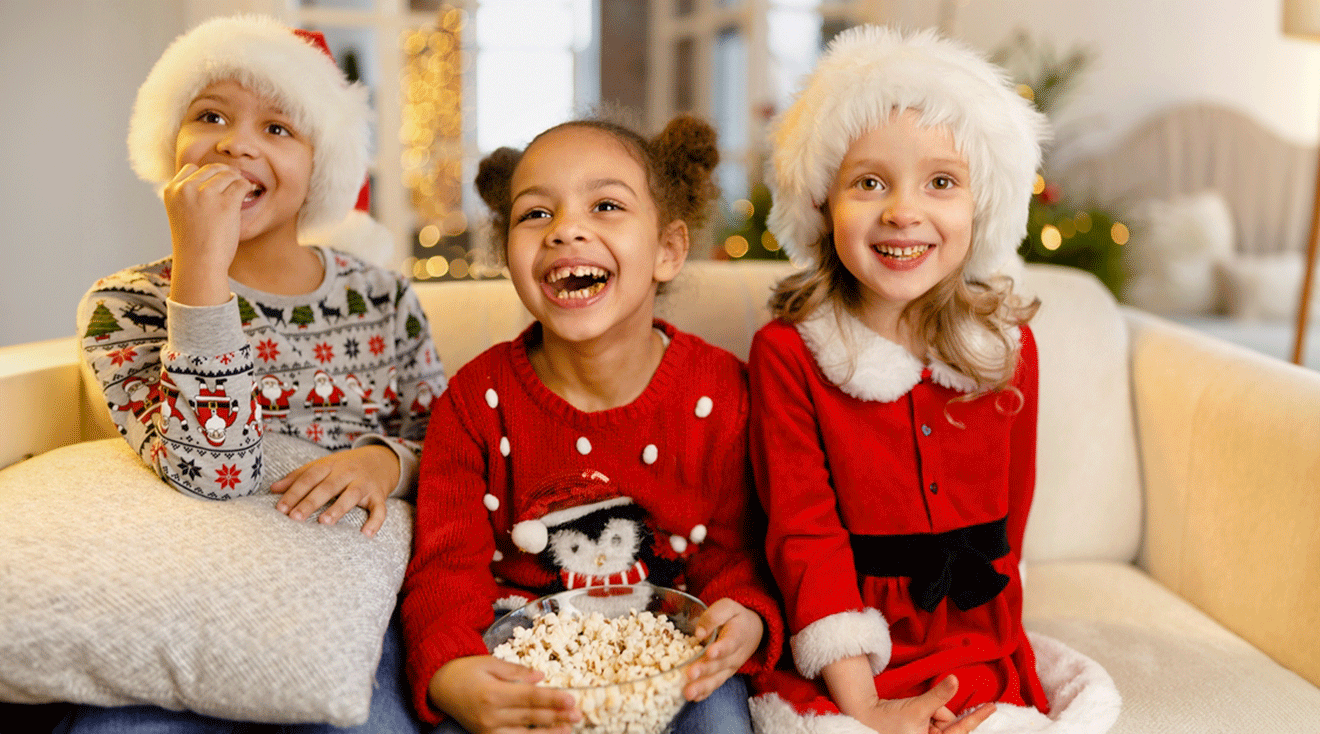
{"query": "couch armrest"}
(40, 398)
(1230, 446)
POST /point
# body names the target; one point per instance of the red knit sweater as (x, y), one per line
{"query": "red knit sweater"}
(498, 434)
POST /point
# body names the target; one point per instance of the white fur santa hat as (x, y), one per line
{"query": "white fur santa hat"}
(562, 500)
(871, 72)
(271, 59)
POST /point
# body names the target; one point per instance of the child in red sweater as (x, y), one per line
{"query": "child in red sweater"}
(600, 446)
(893, 426)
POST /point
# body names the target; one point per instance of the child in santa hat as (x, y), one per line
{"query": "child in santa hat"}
(600, 446)
(255, 139)
(894, 403)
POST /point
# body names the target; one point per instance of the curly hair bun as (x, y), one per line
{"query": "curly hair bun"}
(493, 181)
(687, 153)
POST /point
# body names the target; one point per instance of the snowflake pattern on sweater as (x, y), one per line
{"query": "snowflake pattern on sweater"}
(193, 389)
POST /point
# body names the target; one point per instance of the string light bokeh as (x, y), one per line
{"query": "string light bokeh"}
(433, 150)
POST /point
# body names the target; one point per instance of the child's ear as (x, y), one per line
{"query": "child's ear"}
(673, 251)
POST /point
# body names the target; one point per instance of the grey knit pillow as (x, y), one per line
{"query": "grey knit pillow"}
(116, 589)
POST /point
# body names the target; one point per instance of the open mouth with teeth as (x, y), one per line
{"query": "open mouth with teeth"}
(578, 281)
(254, 194)
(902, 253)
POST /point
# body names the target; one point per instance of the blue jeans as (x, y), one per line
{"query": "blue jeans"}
(723, 712)
(391, 710)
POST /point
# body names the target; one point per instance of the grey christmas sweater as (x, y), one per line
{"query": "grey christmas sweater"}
(195, 389)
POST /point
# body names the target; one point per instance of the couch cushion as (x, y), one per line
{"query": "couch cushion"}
(116, 589)
(1088, 486)
(1177, 669)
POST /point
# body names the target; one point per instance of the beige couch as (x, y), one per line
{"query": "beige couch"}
(1175, 536)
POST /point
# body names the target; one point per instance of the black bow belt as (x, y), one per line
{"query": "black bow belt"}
(955, 564)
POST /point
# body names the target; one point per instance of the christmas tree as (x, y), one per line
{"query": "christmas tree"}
(102, 323)
(414, 326)
(302, 316)
(245, 311)
(356, 303)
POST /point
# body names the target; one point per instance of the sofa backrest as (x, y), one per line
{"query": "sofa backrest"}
(1267, 181)
(1088, 498)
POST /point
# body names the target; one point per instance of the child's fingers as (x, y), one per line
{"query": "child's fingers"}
(376, 511)
(701, 687)
(715, 616)
(970, 721)
(295, 485)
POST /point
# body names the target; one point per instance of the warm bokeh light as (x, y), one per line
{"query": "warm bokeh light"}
(1083, 222)
(456, 223)
(1027, 92)
(1050, 237)
(736, 246)
(428, 236)
(1120, 234)
(458, 268)
(1067, 228)
(742, 210)
(1039, 186)
(437, 267)
(432, 128)
(769, 242)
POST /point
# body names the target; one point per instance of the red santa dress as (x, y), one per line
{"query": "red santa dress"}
(896, 517)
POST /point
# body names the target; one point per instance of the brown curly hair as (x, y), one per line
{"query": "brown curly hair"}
(679, 163)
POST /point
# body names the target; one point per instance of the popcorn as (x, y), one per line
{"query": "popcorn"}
(626, 670)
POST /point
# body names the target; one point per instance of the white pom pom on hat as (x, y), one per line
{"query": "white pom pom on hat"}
(270, 59)
(867, 74)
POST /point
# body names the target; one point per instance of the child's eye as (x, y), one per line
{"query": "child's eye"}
(608, 206)
(868, 183)
(532, 214)
(942, 183)
(210, 117)
(276, 128)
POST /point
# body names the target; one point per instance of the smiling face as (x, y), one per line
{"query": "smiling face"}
(585, 247)
(901, 211)
(229, 124)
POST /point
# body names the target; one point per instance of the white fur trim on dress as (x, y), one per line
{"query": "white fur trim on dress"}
(773, 715)
(843, 635)
(1083, 700)
(866, 365)
(870, 72)
(265, 56)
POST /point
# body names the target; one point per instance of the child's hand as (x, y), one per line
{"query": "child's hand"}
(203, 206)
(740, 634)
(924, 714)
(488, 695)
(360, 477)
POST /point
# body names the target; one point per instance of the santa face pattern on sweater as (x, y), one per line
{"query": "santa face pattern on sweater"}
(194, 389)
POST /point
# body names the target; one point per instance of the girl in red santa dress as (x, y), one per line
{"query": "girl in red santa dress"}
(600, 446)
(893, 424)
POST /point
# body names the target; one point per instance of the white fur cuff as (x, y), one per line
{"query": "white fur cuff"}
(840, 636)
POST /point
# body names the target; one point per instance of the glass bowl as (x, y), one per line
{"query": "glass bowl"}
(646, 705)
